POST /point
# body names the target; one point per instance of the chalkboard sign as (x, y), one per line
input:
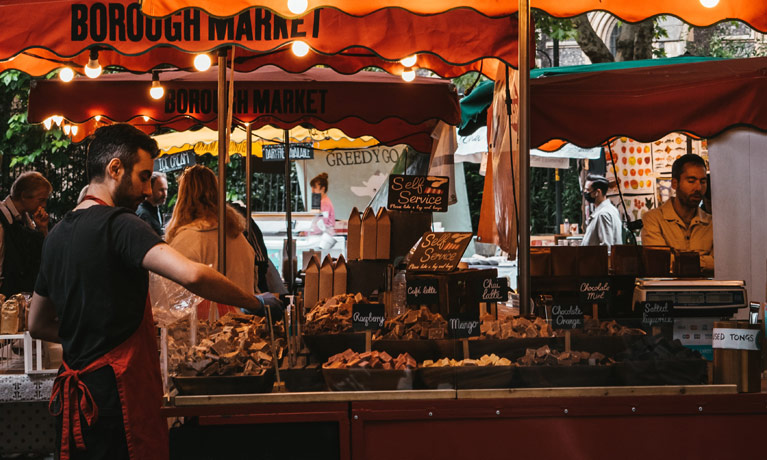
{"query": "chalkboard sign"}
(656, 313)
(594, 290)
(176, 161)
(418, 193)
(422, 291)
(463, 326)
(276, 152)
(438, 251)
(316, 201)
(566, 317)
(493, 290)
(368, 316)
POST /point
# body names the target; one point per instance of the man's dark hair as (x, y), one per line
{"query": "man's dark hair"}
(684, 160)
(598, 182)
(120, 141)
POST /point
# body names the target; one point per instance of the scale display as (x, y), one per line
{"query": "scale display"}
(698, 299)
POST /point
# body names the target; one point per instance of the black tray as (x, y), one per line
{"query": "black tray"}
(225, 384)
(305, 379)
(421, 350)
(663, 372)
(466, 377)
(326, 345)
(368, 379)
(564, 376)
(511, 348)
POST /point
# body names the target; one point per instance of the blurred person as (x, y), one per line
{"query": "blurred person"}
(149, 209)
(92, 296)
(326, 221)
(268, 278)
(24, 226)
(680, 223)
(193, 231)
(605, 227)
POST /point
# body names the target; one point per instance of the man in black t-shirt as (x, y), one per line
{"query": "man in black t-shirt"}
(91, 295)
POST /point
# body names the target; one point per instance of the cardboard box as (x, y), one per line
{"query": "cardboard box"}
(353, 235)
(383, 234)
(312, 283)
(326, 278)
(368, 236)
(339, 276)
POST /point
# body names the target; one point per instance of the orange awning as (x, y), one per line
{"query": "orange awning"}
(753, 12)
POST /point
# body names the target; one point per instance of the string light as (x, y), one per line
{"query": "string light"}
(47, 123)
(409, 61)
(66, 74)
(58, 119)
(202, 62)
(298, 6)
(299, 48)
(709, 3)
(408, 75)
(97, 117)
(156, 91)
(146, 118)
(93, 68)
(67, 129)
(74, 130)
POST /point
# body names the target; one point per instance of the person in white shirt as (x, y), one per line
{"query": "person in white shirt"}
(605, 226)
(24, 225)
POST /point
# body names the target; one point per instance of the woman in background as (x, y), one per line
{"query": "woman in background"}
(328, 217)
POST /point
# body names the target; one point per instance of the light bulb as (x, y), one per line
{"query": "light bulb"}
(409, 61)
(48, 122)
(202, 62)
(67, 128)
(709, 3)
(66, 74)
(146, 118)
(93, 68)
(57, 119)
(300, 48)
(156, 91)
(298, 6)
(97, 117)
(74, 130)
(408, 75)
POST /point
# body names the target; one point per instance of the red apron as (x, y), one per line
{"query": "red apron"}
(137, 371)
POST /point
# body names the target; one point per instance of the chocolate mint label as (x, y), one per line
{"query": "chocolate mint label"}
(594, 290)
(422, 291)
(418, 193)
(654, 313)
(494, 290)
(463, 326)
(566, 317)
(368, 316)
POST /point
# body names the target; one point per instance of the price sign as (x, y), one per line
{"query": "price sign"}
(463, 326)
(276, 152)
(439, 252)
(422, 291)
(594, 290)
(368, 316)
(494, 290)
(655, 313)
(418, 193)
(566, 317)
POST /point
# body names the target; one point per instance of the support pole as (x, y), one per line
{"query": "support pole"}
(222, 149)
(288, 216)
(523, 264)
(248, 175)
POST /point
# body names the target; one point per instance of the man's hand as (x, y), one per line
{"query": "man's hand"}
(41, 219)
(268, 300)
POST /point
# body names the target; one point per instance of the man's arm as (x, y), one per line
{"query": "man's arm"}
(651, 232)
(198, 278)
(43, 323)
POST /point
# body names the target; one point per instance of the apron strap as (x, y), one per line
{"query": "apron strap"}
(65, 389)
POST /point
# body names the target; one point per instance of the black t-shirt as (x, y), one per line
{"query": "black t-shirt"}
(91, 271)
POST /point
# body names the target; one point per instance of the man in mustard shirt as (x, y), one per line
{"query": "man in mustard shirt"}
(680, 222)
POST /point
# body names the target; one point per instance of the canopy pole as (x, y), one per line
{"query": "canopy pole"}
(523, 261)
(288, 216)
(222, 147)
(248, 175)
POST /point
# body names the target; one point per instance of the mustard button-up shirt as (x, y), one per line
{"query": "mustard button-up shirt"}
(663, 227)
